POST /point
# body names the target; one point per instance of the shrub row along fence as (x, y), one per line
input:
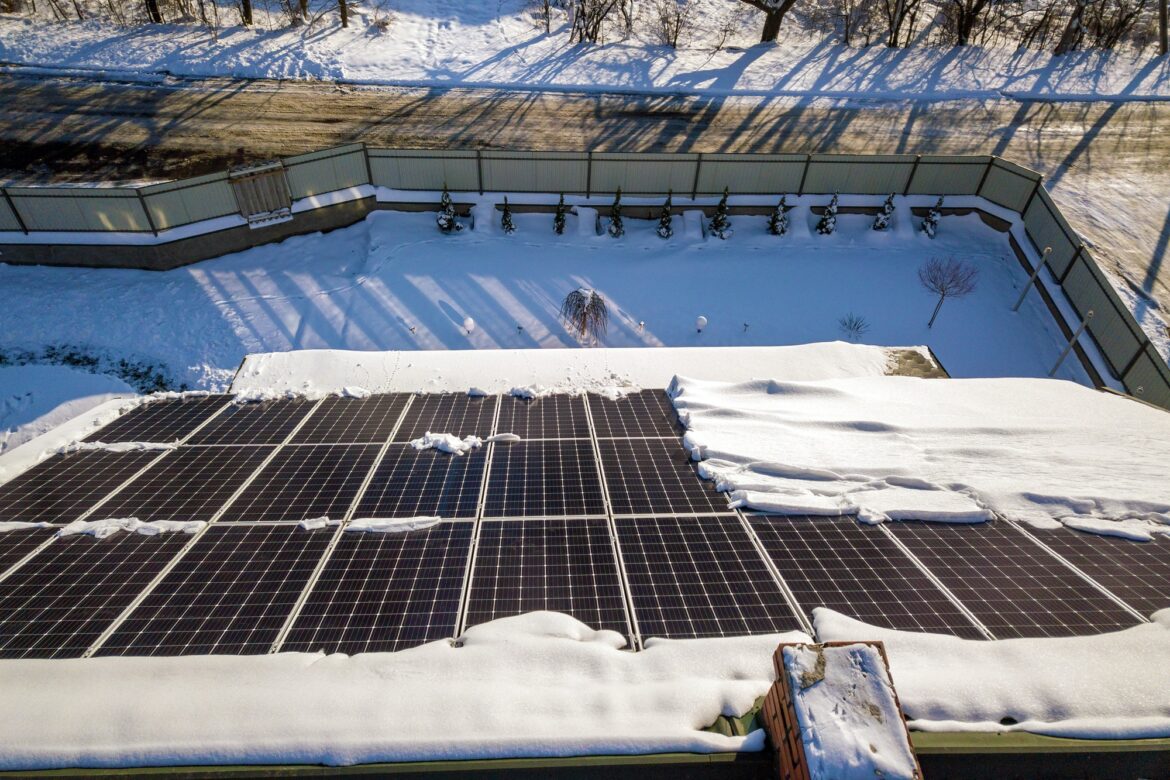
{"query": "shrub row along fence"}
(267, 192)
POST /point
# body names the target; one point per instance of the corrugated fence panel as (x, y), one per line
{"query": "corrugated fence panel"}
(873, 174)
(424, 170)
(535, 171)
(1009, 185)
(8, 220)
(948, 175)
(644, 174)
(182, 202)
(771, 174)
(326, 171)
(1149, 380)
(1046, 227)
(76, 209)
(1109, 327)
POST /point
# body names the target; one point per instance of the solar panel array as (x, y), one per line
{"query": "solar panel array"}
(597, 512)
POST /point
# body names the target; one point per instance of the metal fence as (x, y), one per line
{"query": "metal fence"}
(160, 207)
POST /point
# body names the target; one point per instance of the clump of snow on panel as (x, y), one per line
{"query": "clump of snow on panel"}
(447, 442)
(100, 529)
(118, 446)
(316, 523)
(1040, 451)
(848, 716)
(1108, 686)
(392, 525)
(541, 684)
(19, 525)
(503, 438)
(35, 399)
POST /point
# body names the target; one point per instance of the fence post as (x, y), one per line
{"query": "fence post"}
(1031, 197)
(589, 176)
(369, 168)
(986, 173)
(1071, 263)
(146, 211)
(15, 213)
(1128, 366)
(479, 169)
(804, 174)
(695, 184)
(914, 170)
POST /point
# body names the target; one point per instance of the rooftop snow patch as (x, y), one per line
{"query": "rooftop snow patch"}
(1108, 686)
(957, 450)
(319, 373)
(541, 684)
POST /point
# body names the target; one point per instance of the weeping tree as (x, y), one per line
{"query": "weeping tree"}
(586, 313)
(950, 279)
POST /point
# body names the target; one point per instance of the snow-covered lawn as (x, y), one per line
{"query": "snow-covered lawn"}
(35, 399)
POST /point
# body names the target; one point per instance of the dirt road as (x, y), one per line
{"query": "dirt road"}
(1107, 164)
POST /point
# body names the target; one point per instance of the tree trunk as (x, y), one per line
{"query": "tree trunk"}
(938, 306)
(153, 12)
(344, 13)
(896, 24)
(1074, 31)
(771, 26)
(246, 12)
(1162, 25)
(303, 5)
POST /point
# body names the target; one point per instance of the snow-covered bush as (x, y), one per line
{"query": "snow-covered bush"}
(559, 217)
(616, 228)
(720, 224)
(586, 312)
(828, 221)
(882, 221)
(664, 228)
(778, 221)
(506, 223)
(446, 218)
(930, 224)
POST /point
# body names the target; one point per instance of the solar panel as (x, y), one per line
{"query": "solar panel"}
(161, 421)
(188, 484)
(551, 417)
(312, 480)
(339, 420)
(408, 483)
(648, 413)
(14, 545)
(456, 413)
(645, 476)
(558, 565)
(231, 593)
(269, 422)
(859, 571)
(699, 576)
(543, 478)
(1014, 587)
(385, 592)
(65, 486)
(1137, 572)
(58, 603)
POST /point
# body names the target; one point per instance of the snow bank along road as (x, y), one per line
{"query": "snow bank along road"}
(1104, 161)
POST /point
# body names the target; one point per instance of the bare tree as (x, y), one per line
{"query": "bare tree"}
(588, 18)
(965, 15)
(586, 312)
(897, 12)
(1074, 31)
(774, 11)
(672, 19)
(950, 279)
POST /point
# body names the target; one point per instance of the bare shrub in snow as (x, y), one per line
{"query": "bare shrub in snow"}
(853, 326)
(589, 17)
(586, 312)
(947, 279)
(672, 20)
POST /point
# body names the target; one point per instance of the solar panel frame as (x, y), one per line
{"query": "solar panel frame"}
(547, 417)
(344, 420)
(403, 485)
(266, 422)
(553, 564)
(167, 420)
(699, 577)
(305, 481)
(859, 571)
(645, 414)
(368, 597)
(1012, 585)
(656, 476)
(66, 595)
(231, 592)
(65, 487)
(557, 478)
(456, 413)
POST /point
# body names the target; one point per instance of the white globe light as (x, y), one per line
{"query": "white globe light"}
(700, 323)
(468, 324)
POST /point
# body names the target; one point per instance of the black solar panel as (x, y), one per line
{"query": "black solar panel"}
(543, 478)
(65, 486)
(699, 576)
(353, 420)
(231, 593)
(648, 413)
(645, 476)
(385, 592)
(558, 565)
(258, 423)
(14, 545)
(859, 571)
(161, 421)
(459, 414)
(551, 417)
(189, 484)
(1136, 572)
(409, 483)
(1014, 587)
(306, 481)
(59, 603)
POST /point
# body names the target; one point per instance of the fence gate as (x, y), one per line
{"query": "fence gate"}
(262, 194)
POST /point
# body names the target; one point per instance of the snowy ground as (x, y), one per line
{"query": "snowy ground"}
(36, 399)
